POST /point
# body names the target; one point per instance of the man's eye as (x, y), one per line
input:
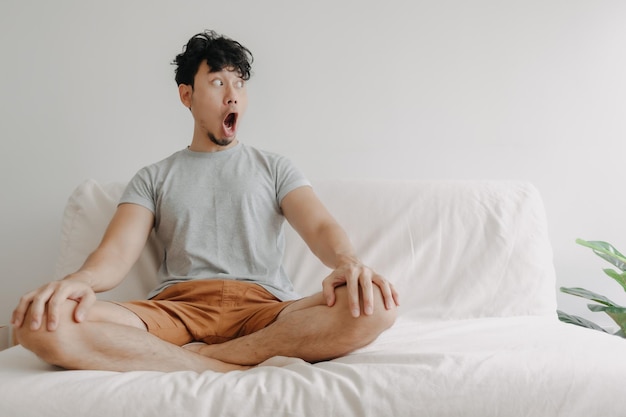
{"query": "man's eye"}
(217, 83)
(239, 84)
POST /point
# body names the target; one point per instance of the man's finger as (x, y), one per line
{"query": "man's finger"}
(388, 291)
(328, 290)
(38, 307)
(85, 303)
(367, 290)
(54, 305)
(352, 281)
(395, 295)
(19, 313)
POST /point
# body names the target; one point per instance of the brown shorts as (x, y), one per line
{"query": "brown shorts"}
(211, 311)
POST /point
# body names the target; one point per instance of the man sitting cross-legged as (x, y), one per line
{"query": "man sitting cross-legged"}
(217, 208)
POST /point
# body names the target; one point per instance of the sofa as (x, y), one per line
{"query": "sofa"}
(477, 332)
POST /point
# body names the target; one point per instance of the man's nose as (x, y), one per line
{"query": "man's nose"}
(231, 96)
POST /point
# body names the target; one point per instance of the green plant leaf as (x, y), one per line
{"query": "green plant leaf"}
(578, 321)
(618, 314)
(620, 278)
(606, 251)
(589, 295)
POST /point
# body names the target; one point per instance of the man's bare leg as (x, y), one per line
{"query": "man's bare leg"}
(112, 338)
(307, 329)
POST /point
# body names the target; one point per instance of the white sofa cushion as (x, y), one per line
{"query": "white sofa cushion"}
(462, 255)
(453, 249)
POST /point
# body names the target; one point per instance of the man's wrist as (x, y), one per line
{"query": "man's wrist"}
(83, 276)
(346, 259)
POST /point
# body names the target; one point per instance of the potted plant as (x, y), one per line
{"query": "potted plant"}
(617, 312)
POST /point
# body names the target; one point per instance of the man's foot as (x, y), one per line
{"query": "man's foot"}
(204, 350)
(197, 347)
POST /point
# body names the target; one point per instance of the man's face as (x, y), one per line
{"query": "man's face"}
(217, 102)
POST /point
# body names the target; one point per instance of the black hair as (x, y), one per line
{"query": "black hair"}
(218, 51)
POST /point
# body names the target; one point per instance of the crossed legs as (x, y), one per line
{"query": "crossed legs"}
(114, 338)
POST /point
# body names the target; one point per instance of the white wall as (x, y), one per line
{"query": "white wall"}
(450, 89)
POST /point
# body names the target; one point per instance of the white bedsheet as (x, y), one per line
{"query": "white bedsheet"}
(480, 367)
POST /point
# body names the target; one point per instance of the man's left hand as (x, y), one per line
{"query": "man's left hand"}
(360, 280)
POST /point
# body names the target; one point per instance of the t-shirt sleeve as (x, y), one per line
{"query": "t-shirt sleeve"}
(288, 178)
(140, 190)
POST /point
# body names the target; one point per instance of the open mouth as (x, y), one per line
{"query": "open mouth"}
(230, 123)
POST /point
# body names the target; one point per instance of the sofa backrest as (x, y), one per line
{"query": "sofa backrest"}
(453, 249)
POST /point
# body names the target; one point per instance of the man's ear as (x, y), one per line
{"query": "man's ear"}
(184, 92)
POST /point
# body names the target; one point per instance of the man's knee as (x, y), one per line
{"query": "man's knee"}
(58, 347)
(365, 328)
(48, 345)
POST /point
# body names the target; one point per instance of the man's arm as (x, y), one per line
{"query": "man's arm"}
(103, 270)
(329, 242)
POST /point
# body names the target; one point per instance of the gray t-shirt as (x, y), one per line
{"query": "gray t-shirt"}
(218, 215)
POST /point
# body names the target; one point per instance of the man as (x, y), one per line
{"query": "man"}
(217, 207)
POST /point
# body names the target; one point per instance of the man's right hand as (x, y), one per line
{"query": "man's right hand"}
(47, 301)
(104, 269)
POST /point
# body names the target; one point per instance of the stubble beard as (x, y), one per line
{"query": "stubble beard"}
(220, 142)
